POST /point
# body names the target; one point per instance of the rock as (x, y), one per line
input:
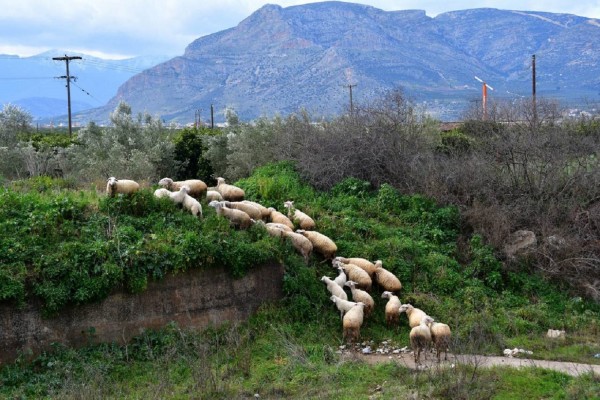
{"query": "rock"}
(367, 350)
(555, 333)
(555, 241)
(519, 243)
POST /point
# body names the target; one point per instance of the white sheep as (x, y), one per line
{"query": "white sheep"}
(362, 297)
(387, 280)
(440, 336)
(280, 218)
(229, 192)
(342, 305)
(123, 186)
(304, 221)
(192, 205)
(197, 188)
(252, 211)
(283, 227)
(236, 218)
(363, 263)
(356, 274)
(392, 315)
(341, 279)
(352, 321)
(300, 243)
(415, 315)
(420, 337)
(162, 193)
(334, 288)
(321, 243)
(266, 213)
(179, 196)
(213, 195)
(271, 230)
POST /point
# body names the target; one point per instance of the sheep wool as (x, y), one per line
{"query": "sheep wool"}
(440, 336)
(342, 305)
(303, 220)
(249, 209)
(356, 274)
(387, 280)
(192, 205)
(321, 243)
(179, 196)
(334, 288)
(265, 213)
(213, 195)
(271, 230)
(229, 192)
(341, 278)
(280, 218)
(363, 263)
(123, 186)
(392, 316)
(161, 193)
(362, 297)
(300, 243)
(420, 337)
(236, 218)
(280, 226)
(197, 188)
(352, 321)
(414, 315)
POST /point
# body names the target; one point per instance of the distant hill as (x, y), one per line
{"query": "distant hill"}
(31, 82)
(281, 59)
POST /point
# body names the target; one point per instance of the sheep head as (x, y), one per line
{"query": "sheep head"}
(166, 182)
(386, 295)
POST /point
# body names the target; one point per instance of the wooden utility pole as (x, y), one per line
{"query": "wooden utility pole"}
(68, 77)
(350, 86)
(534, 100)
(212, 117)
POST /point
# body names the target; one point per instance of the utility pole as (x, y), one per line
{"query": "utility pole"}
(350, 86)
(534, 100)
(212, 117)
(68, 77)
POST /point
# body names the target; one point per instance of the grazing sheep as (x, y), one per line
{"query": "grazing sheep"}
(179, 196)
(420, 337)
(356, 274)
(392, 316)
(440, 336)
(213, 195)
(321, 243)
(341, 278)
(342, 305)
(334, 288)
(236, 218)
(249, 209)
(192, 205)
(362, 297)
(271, 230)
(352, 322)
(266, 213)
(229, 192)
(300, 243)
(196, 186)
(363, 263)
(414, 315)
(304, 221)
(161, 193)
(124, 186)
(387, 280)
(280, 226)
(280, 218)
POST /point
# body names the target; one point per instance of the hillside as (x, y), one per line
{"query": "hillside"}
(279, 60)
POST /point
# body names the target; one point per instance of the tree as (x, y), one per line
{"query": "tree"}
(13, 121)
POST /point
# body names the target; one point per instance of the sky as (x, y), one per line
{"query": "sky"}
(119, 29)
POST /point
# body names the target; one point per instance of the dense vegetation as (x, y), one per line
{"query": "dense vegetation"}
(385, 183)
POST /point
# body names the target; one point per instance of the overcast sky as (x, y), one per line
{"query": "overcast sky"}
(126, 28)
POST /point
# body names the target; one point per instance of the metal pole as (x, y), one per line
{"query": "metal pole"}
(212, 117)
(533, 88)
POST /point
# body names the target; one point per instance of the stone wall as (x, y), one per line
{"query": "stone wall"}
(196, 299)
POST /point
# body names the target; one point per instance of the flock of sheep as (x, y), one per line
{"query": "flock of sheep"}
(357, 274)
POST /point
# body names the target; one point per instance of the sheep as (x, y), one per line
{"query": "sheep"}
(213, 195)
(341, 278)
(392, 316)
(249, 209)
(161, 193)
(343, 305)
(266, 213)
(420, 337)
(387, 280)
(192, 205)
(440, 336)
(179, 196)
(352, 322)
(124, 186)
(361, 296)
(363, 263)
(414, 315)
(304, 221)
(197, 187)
(280, 218)
(334, 288)
(300, 243)
(236, 217)
(271, 230)
(280, 226)
(229, 192)
(321, 243)
(356, 274)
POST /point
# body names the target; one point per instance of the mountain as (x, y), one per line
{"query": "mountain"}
(32, 83)
(279, 60)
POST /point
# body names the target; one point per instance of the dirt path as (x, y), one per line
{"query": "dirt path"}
(406, 359)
